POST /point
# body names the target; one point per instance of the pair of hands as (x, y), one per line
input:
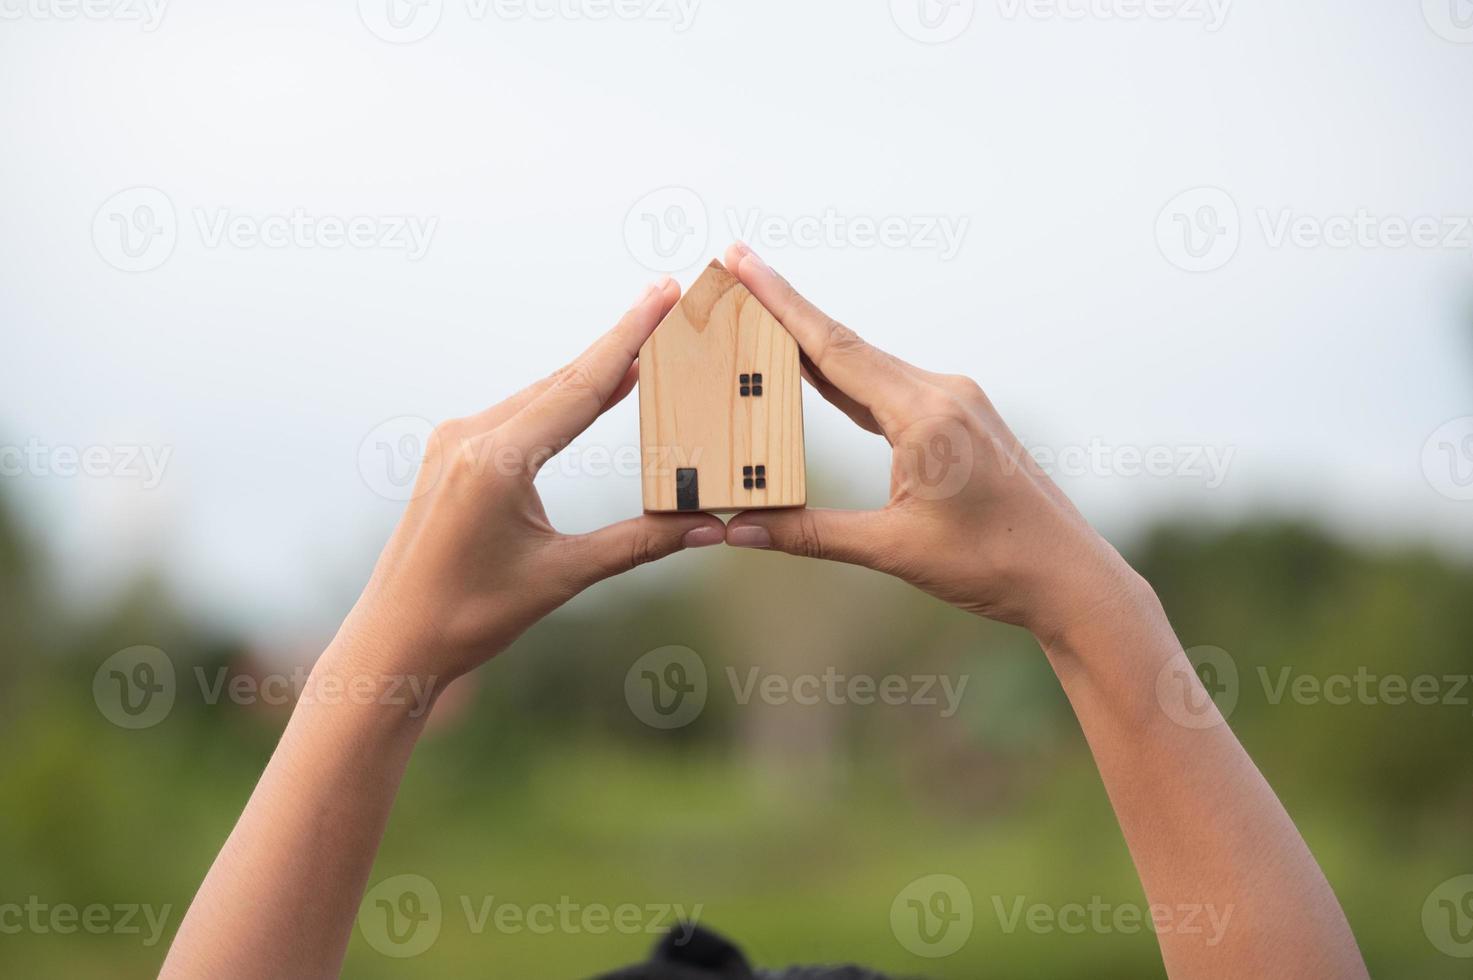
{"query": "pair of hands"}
(971, 518)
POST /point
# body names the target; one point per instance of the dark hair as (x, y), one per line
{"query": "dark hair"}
(691, 952)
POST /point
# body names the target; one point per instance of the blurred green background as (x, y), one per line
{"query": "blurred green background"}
(792, 828)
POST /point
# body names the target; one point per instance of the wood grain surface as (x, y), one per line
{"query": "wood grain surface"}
(693, 414)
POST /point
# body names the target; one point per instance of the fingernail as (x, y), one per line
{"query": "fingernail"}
(704, 537)
(638, 300)
(761, 266)
(750, 536)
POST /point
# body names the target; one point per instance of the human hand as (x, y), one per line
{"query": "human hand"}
(474, 560)
(971, 519)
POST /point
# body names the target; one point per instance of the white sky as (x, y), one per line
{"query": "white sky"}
(1058, 140)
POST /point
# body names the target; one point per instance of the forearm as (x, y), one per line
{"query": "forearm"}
(472, 563)
(282, 895)
(1203, 826)
(974, 520)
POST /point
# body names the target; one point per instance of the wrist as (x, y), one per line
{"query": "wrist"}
(1108, 652)
(1096, 600)
(377, 672)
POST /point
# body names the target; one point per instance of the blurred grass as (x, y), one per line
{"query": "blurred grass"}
(791, 828)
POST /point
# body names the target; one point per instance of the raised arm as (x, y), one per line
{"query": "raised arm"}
(473, 563)
(974, 521)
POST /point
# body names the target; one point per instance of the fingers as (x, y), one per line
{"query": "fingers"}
(879, 382)
(638, 541)
(504, 411)
(511, 405)
(597, 379)
(625, 386)
(859, 537)
(857, 413)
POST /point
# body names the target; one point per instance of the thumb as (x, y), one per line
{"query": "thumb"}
(855, 536)
(639, 541)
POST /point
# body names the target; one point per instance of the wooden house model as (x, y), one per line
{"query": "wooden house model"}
(720, 404)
